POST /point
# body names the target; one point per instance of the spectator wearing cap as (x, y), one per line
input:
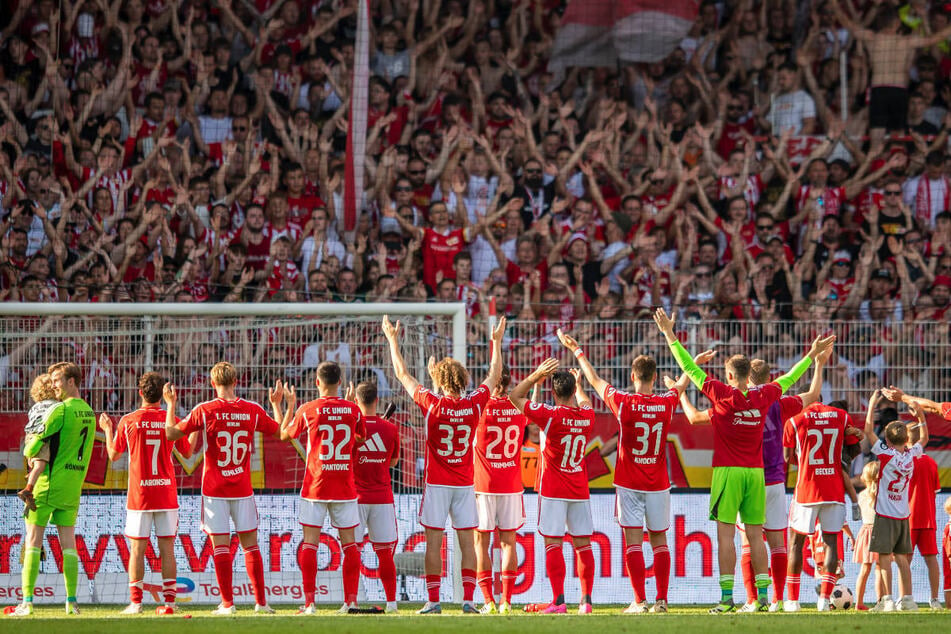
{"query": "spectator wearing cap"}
(881, 285)
(941, 296)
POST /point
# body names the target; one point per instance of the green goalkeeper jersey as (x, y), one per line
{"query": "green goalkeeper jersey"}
(70, 430)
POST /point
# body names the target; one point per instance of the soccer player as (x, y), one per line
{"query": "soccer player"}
(228, 424)
(564, 499)
(924, 484)
(451, 421)
(640, 475)
(379, 453)
(739, 485)
(334, 427)
(774, 470)
(890, 532)
(70, 426)
(817, 436)
(153, 498)
(498, 489)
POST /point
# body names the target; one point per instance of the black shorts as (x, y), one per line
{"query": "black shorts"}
(888, 108)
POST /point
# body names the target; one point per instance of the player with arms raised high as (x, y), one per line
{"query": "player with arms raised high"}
(228, 424)
(640, 475)
(817, 436)
(774, 470)
(153, 496)
(334, 427)
(564, 499)
(498, 488)
(451, 421)
(379, 453)
(739, 484)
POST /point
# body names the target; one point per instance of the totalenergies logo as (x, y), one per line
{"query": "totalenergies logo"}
(182, 591)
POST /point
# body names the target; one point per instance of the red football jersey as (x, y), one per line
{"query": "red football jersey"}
(228, 428)
(818, 434)
(737, 420)
(372, 462)
(450, 431)
(642, 445)
(151, 472)
(921, 493)
(565, 435)
(333, 426)
(497, 448)
(438, 253)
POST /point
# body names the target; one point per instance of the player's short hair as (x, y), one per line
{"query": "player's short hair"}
(42, 388)
(151, 384)
(947, 505)
(69, 369)
(451, 376)
(329, 373)
(366, 392)
(896, 434)
(563, 384)
(739, 366)
(505, 379)
(644, 367)
(223, 374)
(759, 371)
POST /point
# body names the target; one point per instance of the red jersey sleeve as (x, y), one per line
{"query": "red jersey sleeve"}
(946, 411)
(789, 406)
(183, 446)
(537, 413)
(121, 442)
(789, 434)
(613, 398)
(849, 438)
(424, 398)
(193, 422)
(265, 424)
(715, 390)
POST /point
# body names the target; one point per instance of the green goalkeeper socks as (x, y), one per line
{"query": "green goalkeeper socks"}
(31, 567)
(762, 587)
(726, 588)
(70, 572)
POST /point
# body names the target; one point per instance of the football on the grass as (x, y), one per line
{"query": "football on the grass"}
(841, 598)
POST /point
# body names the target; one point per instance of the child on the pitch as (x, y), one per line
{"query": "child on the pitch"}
(860, 552)
(44, 397)
(890, 531)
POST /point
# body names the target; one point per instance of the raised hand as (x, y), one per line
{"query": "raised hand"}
(664, 323)
(892, 393)
(499, 331)
(390, 331)
(105, 423)
(705, 357)
(820, 345)
(546, 368)
(169, 394)
(567, 341)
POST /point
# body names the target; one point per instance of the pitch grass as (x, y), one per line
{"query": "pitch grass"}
(99, 618)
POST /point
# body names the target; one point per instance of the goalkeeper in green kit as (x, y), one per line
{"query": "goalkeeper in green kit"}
(738, 487)
(69, 428)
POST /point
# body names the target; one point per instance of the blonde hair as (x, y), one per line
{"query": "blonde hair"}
(42, 388)
(870, 478)
(223, 374)
(451, 376)
(947, 505)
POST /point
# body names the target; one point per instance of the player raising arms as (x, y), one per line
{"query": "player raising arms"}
(774, 471)
(739, 485)
(564, 499)
(153, 497)
(228, 424)
(451, 421)
(70, 427)
(817, 436)
(640, 476)
(379, 453)
(334, 427)
(498, 487)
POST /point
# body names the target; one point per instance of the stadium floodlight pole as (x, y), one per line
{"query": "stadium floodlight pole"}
(456, 310)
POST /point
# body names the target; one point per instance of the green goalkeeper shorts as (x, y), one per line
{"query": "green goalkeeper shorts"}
(738, 490)
(44, 513)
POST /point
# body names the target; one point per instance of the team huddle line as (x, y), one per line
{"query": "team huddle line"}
(472, 476)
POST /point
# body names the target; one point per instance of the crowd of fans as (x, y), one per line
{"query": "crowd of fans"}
(786, 162)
